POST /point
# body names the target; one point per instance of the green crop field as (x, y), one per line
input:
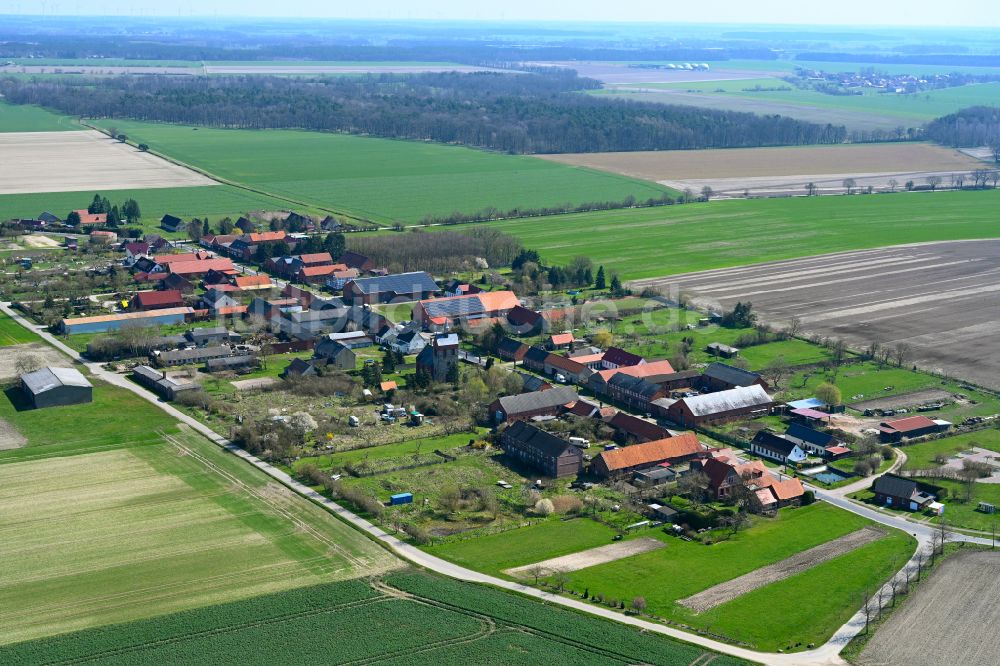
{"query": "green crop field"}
(139, 531)
(380, 179)
(668, 240)
(215, 202)
(685, 568)
(916, 106)
(552, 538)
(33, 119)
(440, 621)
(12, 333)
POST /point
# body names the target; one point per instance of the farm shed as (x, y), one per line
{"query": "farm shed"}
(533, 403)
(157, 300)
(190, 356)
(159, 383)
(546, 453)
(895, 491)
(629, 459)
(722, 377)
(102, 323)
(911, 426)
(633, 429)
(54, 387)
(721, 350)
(737, 402)
(336, 353)
(510, 349)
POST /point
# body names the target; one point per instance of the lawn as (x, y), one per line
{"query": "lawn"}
(381, 179)
(215, 202)
(651, 242)
(397, 450)
(551, 538)
(115, 419)
(12, 333)
(16, 118)
(135, 532)
(684, 568)
(351, 622)
(921, 456)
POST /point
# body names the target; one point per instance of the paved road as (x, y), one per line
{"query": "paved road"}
(825, 655)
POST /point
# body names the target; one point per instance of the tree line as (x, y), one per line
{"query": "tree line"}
(971, 127)
(439, 252)
(523, 113)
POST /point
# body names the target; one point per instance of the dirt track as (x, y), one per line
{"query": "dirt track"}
(83, 161)
(942, 299)
(951, 619)
(592, 557)
(772, 573)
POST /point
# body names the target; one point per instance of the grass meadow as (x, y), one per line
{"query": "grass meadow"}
(12, 333)
(921, 456)
(651, 242)
(14, 118)
(380, 179)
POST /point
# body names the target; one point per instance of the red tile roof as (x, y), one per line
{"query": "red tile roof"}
(652, 452)
(91, 218)
(316, 258)
(149, 299)
(563, 363)
(788, 489)
(202, 266)
(313, 271)
(562, 339)
(267, 237)
(167, 259)
(908, 424)
(387, 386)
(645, 370)
(252, 281)
(633, 425)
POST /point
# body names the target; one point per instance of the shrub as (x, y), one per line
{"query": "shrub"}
(808, 497)
(566, 504)
(418, 534)
(544, 507)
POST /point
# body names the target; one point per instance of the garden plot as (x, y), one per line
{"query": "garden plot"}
(590, 558)
(807, 559)
(83, 161)
(905, 401)
(951, 619)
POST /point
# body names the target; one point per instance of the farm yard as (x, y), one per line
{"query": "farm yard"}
(393, 620)
(669, 240)
(947, 615)
(772, 171)
(381, 179)
(83, 161)
(941, 299)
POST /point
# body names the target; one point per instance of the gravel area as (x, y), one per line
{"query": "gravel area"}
(592, 557)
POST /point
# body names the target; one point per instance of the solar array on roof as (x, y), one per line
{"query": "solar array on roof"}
(455, 307)
(401, 283)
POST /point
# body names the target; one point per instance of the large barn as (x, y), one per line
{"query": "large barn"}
(53, 387)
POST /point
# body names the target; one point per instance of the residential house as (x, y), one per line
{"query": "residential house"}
(725, 475)
(354, 260)
(88, 219)
(439, 358)
(524, 321)
(571, 370)
(651, 370)
(258, 282)
(813, 442)
(773, 446)
(409, 341)
(633, 429)
(534, 403)
(510, 349)
(551, 456)
(634, 392)
(218, 300)
(134, 251)
(396, 288)
(177, 283)
(244, 247)
(460, 288)
(533, 382)
(627, 460)
(338, 279)
(171, 223)
(201, 267)
(615, 358)
(738, 402)
(49, 218)
(722, 377)
(534, 359)
(912, 426)
(336, 354)
(899, 493)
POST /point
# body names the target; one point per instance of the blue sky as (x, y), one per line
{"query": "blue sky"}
(978, 13)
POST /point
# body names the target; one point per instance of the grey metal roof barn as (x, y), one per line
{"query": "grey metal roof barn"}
(728, 401)
(52, 387)
(731, 375)
(534, 400)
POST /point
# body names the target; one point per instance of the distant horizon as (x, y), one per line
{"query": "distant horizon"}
(899, 14)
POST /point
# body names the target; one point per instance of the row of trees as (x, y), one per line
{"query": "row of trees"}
(541, 113)
(438, 252)
(968, 128)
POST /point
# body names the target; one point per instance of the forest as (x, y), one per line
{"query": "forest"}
(968, 128)
(537, 112)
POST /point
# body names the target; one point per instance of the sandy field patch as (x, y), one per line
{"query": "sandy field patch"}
(950, 619)
(10, 438)
(772, 573)
(942, 299)
(591, 557)
(9, 356)
(83, 161)
(253, 384)
(782, 170)
(38, 240)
